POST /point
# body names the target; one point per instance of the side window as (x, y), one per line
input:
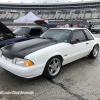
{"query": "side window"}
(89, 36)
(35, 32)
(79, 36)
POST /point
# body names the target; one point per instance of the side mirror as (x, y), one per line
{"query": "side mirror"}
(73, 42)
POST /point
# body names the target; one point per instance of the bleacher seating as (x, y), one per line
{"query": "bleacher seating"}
(95, 15)
(9, 16)
(68, 16)
(3, 16)
(21, 15)
(81, 15)
(44, 16)
(56, 16)
(39, 15)
(59, 14)
(50, 16)
(74, 16)
(15, 16)
(88, 15)
(62, 16)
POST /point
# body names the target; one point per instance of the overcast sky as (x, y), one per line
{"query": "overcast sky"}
(40, 1)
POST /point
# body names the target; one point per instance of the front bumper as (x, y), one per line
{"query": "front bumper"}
(25, 72)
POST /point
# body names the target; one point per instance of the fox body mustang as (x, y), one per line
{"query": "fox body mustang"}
(47, 54)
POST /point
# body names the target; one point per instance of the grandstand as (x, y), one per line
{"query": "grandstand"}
(59, 13)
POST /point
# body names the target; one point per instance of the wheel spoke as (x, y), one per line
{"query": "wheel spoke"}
(54, 61)
(52, 68)
(52, 71)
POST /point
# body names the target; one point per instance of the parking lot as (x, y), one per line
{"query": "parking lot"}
(79, 80)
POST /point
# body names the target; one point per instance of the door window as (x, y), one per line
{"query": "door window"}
(89, 36)
(35, 32)
(78, 36)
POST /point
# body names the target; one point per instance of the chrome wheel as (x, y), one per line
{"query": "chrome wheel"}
(95, 51)
(54, 66)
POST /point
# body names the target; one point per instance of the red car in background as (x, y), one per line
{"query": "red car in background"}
(11, 29)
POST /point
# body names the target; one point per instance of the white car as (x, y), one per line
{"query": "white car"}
(47, 54)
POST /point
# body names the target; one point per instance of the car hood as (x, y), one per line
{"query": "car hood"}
(5, 29)
(22, 49)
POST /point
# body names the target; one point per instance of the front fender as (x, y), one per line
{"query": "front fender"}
(54, 54)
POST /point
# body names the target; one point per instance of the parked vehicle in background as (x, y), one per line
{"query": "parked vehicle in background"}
(46, 55)
(20, 34)
(96, 29)
(29, 31)
(11, 29)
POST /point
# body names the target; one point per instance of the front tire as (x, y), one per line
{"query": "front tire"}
(53, 67)
(94, 53)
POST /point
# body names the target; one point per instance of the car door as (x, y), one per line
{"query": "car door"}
(91, 40)
(79, 49)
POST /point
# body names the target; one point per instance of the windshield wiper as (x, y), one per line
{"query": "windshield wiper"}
(48, 38)
(51, 38)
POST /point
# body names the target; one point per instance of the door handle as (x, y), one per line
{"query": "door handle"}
(87, 43)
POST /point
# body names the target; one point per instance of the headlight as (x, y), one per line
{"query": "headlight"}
(22, 62)
(0, 53)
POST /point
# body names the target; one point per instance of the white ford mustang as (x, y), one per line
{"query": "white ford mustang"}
(47, 54)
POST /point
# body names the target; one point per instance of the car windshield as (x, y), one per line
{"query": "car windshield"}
(60, 35)
(22, 31)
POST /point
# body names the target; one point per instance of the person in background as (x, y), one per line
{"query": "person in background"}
(66, 25)
(63, 26)
(81, 25)
(89, 26)
(71, 25)
(78, 25)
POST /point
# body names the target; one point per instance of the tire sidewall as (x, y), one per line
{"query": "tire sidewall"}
(46, 71)
(93, 51)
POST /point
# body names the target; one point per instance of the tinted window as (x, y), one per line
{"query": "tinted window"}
(78, 35)
(61, 35)
(35, 32)
(90, 37)
(22, 31)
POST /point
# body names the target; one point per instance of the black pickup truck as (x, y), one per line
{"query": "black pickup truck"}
(20, 34)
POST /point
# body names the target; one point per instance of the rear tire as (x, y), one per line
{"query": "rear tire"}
(94, 53)
(53, 67)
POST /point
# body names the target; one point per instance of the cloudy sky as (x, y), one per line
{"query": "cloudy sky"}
(40, 1)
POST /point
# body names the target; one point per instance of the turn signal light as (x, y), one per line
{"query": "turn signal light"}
(28, 63)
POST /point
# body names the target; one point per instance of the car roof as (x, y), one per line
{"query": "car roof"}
(32, 26)
(70, 28)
